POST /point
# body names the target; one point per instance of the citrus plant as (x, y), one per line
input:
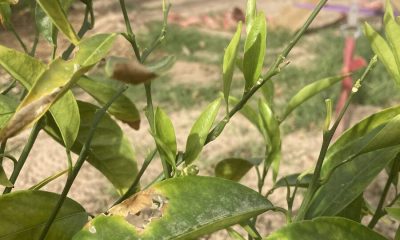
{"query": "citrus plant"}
(179, 204)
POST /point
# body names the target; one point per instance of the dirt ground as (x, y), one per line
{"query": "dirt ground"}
(94, 192)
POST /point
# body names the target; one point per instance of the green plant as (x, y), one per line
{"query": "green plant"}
(179, 204)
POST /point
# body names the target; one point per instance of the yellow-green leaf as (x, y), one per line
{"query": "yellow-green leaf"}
(308, 92)
(27, 71)
(254, 50)
(166, 135)
(271, 125)
(55, 11)
(55, 81)
(392, 30)
(230, 61)
(384, 52)
(198, 134)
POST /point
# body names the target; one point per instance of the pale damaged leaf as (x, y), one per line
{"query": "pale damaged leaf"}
(157, 213)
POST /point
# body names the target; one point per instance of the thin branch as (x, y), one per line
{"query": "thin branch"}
(81, 159)
(327, 138)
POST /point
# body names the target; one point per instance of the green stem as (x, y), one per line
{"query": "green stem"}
(274, 70)
(134, 187)
(327, 138)
(25, 153)
(19, 39)
(86, 26)
(380, 212)
(2, 151)
(9, 87)
(130, 36)
(81, 159)
(47, 180)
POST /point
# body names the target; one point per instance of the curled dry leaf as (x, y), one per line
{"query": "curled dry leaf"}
(131, 71)
(27, 114)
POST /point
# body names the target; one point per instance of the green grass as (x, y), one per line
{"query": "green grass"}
(326, 49)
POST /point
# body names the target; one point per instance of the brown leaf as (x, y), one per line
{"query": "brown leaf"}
(132, 72)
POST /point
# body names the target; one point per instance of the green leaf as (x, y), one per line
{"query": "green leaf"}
(198, 134)
(327, 228)
(162, 65)
(393, 212)
(354, 210)
(308, 92)
(348, 181)
(44, 23)
(250, 114)
(392, 30)
(4, 179)
(7, 108)
(24, 214)
(188, 207)
(254, 51)
(110, 152)
(233, 168)
(251, 14)
(94, 49)
(55, 11)
(66, 115)
(268, 91)
(166, 134)
(24, 68)
(271, 125)
(230, 61)
(384, 52)
(102, 90)
(362, 128)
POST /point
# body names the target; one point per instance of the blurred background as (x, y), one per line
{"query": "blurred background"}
(197, 34)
